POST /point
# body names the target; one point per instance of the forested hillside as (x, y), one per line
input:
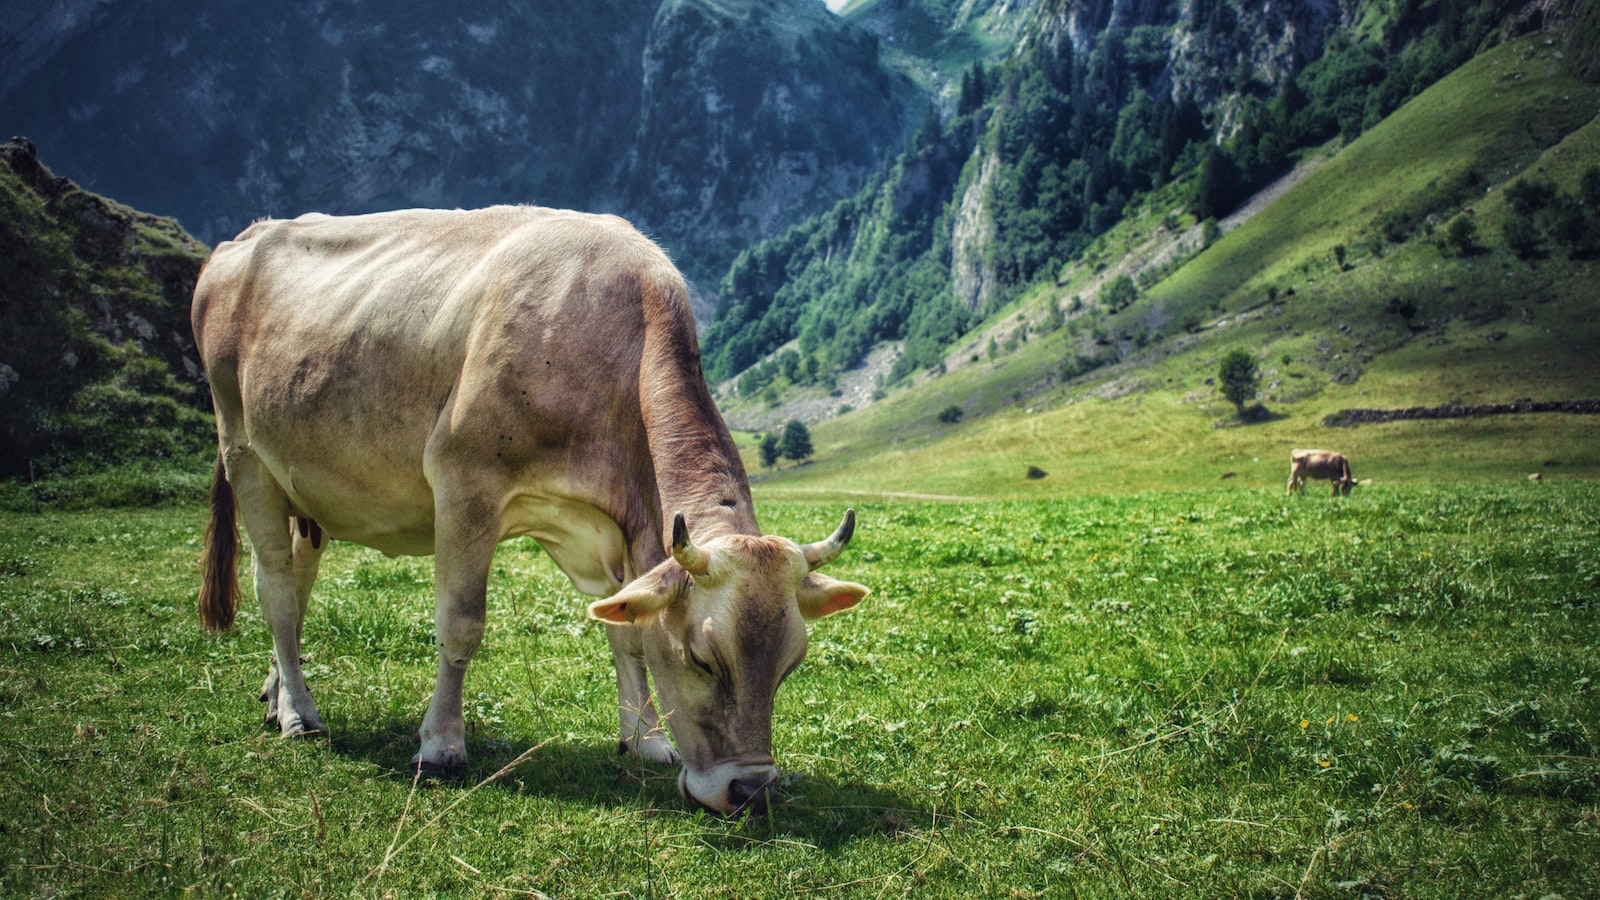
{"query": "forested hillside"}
(1104, 108)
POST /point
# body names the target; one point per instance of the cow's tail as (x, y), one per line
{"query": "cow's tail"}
(219, 587)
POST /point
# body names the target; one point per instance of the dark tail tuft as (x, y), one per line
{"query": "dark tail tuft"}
(219, 590)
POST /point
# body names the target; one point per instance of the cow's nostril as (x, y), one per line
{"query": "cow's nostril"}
(750, 795)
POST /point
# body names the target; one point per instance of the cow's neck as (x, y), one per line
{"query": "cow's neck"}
(697, 467)
(699, 474)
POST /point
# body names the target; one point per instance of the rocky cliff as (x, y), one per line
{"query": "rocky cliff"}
(96, 359)
(711, 124)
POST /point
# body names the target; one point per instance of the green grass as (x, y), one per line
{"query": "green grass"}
(1192, 693)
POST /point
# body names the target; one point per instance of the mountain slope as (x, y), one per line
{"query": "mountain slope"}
(708, 123)
(96, 360)
(1396, 323)
(1102, 107)
(933, 42)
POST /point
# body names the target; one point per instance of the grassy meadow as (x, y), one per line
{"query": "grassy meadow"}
(1148, 673)
(1189, 693)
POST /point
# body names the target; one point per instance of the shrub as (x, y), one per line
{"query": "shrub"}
(951, 414)
(1119, 293)
(1589, 186)
(1527, 195)
(1578, 232)
(1461, 237)
(1522, 237)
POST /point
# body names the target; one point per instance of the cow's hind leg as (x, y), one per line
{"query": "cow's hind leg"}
(307, 540)
(284, 571)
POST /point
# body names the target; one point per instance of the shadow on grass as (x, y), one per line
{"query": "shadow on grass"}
(819, 811)
(1256, 414)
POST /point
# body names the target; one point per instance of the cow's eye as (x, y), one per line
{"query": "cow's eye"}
(702, 665)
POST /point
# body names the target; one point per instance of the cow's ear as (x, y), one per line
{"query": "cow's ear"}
(645, 596)
(819, 595)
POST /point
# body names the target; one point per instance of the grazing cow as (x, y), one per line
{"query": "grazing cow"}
(1305, 464)
(434, 382)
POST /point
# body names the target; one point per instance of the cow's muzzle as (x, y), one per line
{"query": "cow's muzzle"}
(730, 789)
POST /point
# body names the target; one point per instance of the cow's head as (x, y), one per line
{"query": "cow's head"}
(722, 629)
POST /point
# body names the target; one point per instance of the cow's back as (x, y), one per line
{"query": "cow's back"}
(346, 351)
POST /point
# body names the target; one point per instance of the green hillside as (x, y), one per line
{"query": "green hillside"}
(1405, 320)
(97, 365)
(1033, 164)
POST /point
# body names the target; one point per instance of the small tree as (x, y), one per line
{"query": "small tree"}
(951, 414)
(1529, 195)
(1054, 318)
(770, 450)
(792, 367)
(1461, 236)
(1589, 186)
(1522, 236)
(1216, 192)
(796, 441)
(1238, 378)
(1118, 293)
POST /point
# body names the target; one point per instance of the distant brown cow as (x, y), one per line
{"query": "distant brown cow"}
(1305, 464)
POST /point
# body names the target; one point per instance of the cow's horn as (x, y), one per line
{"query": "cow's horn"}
(692, 558)
(823, 552)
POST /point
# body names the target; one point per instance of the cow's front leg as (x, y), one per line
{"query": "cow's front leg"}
(461, 574)
(641, 727)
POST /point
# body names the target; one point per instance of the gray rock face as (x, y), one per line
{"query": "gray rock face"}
(711, 125)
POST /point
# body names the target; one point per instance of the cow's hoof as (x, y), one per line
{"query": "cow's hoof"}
(422, 769)
(652, 749)
(301, 727)
(441, 764)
